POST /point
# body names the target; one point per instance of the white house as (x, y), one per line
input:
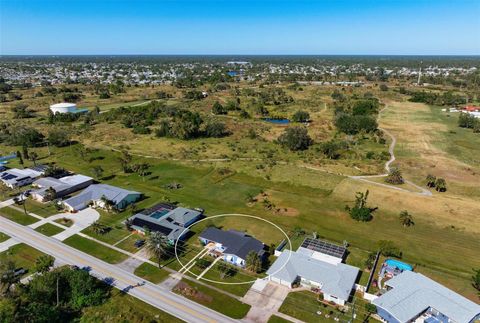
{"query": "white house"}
(232, 245)
(66, 108)
(63, 186)
(335, 281)
(20, 177)
(93, 194)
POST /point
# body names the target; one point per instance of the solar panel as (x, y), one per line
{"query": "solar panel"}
(324, 247)
(151, 226)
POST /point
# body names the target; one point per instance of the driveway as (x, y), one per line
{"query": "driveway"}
(264, 303)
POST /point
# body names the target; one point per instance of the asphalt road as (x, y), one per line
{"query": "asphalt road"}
(154, 295)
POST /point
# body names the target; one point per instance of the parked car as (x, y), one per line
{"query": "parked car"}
(139, 243)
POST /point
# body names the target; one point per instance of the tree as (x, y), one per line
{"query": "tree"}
(370, 260)
(44, 263)
(141, 169)
(50, 194)
(217, 108)
(58, 137)
(125, 160)
(202, 263)
(34, 157)
(295, 138)
(19, 156)
(25, 152)
(360, 211)
(97, 171)
(7, 275)
(431, 180)
(215, 129)
(301, 116)
(21, 111)
(99, 228)
(389, 249)
(253, 262)
(157, 245)
(440, 185)
(108, 204)
(383, 87)
(476, 279)
(406, 219)
(225, 270)
(395, 177)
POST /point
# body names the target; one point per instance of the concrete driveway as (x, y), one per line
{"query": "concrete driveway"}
(264, 303)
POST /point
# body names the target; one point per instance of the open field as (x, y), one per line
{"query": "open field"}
(121, 307)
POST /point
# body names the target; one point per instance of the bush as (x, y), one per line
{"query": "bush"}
(218, 108)
(295, 138)
(389, 249)
(395, 177)
(301, 116)
(58, 137)
(215, 129)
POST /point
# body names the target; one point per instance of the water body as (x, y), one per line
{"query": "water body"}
(277, 121)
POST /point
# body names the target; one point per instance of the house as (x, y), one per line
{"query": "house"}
(66, 108)
(335, 280)
(165, 218)
(412, 297)
(20, 177)
(96, 194)
(323, 250)
(63, 186)
(232, 245)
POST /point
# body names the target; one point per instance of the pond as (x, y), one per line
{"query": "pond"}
(277, 121)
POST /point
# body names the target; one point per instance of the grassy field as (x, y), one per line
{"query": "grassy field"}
(18, 216)
(49, 229)
(121, 307)
(214, 300)
(23, 255)
(95, 249)
(304, 306)
(151, 273)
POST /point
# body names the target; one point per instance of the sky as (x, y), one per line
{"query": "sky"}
(227, 27)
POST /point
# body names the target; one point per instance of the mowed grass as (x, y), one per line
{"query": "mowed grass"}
(95, 249)
(42, 209)
(18, 216)
(151, 273)
(217, 301)
(23, 255)
(277, 319)
(3, 237)
(49, 229)
(121, 307)
(454, 252)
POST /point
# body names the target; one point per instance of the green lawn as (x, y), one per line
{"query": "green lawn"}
(43, 209)
(129, 243)
(277, 319)
(151, 273)
(49, 229)
(239, 277)
(17, 216)
(215, 300)
(122, 307)
(95, 249)
(3, 237)
(113, 221)
(23, 255)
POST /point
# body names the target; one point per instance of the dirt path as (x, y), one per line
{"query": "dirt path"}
(391, 151)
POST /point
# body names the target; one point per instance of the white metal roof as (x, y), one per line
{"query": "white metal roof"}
(63, 105)
(413, 293)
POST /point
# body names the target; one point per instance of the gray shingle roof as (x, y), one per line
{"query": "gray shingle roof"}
(337, 280)
(413, 293)
(235, 242)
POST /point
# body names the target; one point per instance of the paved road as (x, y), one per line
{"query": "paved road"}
(156, 296)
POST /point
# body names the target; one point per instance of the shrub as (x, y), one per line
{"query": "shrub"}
(301, 116)
(295, 138)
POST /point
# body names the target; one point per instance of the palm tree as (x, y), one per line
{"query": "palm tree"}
(440, 185)
(98, 228)
(157, 245)
(406, 219)
(50, 194)
(108, 204)
(253, 262)
(34, 157)
(431, 180)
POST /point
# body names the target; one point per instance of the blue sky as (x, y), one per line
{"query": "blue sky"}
(436, 27)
